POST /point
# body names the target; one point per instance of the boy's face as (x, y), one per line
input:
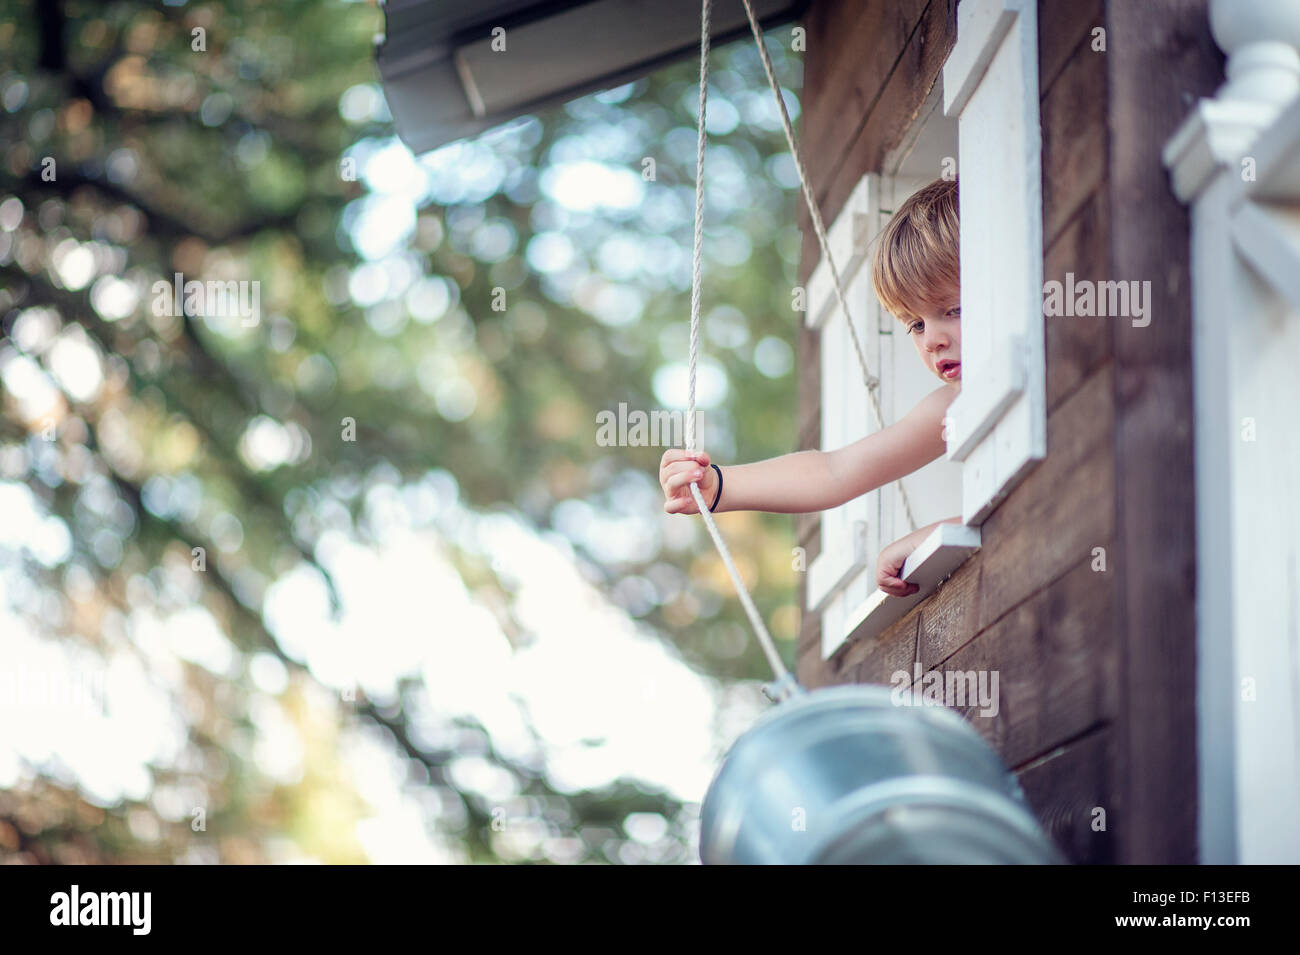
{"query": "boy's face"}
(936, 333)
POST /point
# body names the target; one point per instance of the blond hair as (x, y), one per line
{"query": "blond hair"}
(917, 262)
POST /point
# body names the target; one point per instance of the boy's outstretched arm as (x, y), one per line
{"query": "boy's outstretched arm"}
(809, 481)
(790, 484)
(909, 444)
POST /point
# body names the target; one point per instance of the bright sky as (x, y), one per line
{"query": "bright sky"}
(606, 698)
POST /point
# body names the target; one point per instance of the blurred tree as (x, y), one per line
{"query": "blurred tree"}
(469, 313)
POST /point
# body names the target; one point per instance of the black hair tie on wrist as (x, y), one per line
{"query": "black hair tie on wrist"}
(717, 497)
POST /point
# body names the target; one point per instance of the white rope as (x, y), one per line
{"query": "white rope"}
(764, 638)
(784, 685)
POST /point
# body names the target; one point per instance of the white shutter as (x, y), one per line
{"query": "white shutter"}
(997, 426)
(850, 533)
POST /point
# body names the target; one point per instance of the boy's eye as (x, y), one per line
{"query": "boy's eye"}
(955, 311)
(915, 327)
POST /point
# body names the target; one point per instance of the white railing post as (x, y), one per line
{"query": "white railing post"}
(1248, 720)
(1261, 38)
(1262, 41)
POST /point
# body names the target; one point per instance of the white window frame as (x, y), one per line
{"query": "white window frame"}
(841, 580)
(850, 533)
(997, 426)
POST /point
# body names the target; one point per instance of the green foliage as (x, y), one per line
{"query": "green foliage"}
(226, 163)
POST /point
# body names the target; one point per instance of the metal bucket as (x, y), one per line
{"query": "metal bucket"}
(846, 776)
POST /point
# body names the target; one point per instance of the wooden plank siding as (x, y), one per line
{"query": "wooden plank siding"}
(1162, 58)
(1096, 668)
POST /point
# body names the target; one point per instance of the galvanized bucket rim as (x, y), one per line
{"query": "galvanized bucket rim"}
(911, 792)
(827, 697)
(932, 791)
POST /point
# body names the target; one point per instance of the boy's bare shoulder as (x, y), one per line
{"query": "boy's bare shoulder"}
(933, 405)
(922, 428)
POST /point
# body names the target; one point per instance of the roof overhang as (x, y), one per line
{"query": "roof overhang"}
(444, 80)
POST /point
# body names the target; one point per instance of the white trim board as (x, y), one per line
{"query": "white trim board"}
(942, 552)
(827, 577)
(1245, 254)
(847, 239)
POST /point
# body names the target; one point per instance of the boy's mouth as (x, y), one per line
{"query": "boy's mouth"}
(950, 370)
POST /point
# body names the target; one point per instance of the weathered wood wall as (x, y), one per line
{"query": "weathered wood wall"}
(1096, 668)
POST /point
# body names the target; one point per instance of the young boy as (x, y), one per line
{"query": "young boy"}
(916, 272)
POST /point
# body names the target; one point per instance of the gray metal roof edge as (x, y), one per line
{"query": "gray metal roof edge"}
(392, 67)
(406, 43)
